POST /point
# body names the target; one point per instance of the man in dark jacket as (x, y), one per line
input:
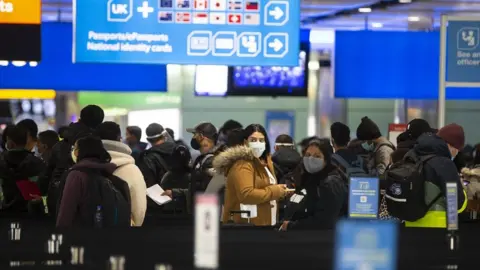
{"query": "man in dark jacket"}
(60, 160)
(286, 158)
(340, 138)
(133, 137)
(19, 164)
(157, 160)
(406, 141)
(438, 171)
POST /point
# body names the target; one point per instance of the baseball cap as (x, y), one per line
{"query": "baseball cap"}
(206, 129)
(154, 131)
(417, 127)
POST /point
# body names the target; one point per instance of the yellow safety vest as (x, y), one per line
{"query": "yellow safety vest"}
(435, 219)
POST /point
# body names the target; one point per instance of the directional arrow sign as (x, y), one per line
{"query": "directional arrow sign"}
(277, 13)
(277, 45)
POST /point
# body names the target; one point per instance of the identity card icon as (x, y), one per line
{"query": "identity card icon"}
(275, 45)
(198, 43)
(468, 38)
(249, 44)
(119, 10)
(224, 43)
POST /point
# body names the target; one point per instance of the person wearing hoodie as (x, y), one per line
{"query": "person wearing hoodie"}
(133, 137)
(439, 171)
(251, 185)
(406, 141)
(61, 159)
(321, 191)
(380, 148)
(286, 158)
(17, 164)
(177, 182)
(74, 209)
(120, 153)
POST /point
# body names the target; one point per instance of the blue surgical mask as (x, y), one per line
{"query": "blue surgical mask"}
(313, 164)
(368, 147)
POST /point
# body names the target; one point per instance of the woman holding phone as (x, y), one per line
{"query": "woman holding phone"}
(251, 186)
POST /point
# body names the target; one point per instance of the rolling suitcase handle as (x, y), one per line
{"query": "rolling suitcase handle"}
(233, 213)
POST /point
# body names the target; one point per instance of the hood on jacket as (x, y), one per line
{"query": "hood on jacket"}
(431, 144)
(120, 153)
(286, 158)
(165, 148)
(108, 168)
(471, 174)
(382, 141)
(76, 131)
(225, 160)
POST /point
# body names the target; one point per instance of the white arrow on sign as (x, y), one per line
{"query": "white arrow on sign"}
(277, 13)
(276, 45)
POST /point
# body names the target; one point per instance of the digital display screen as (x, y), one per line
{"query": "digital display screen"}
(20, 25)
(271, 81)
(276, 77)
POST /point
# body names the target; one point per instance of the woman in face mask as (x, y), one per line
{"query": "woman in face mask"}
(251, 186)
(320, 190)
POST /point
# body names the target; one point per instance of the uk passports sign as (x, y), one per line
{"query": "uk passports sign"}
(216, 32)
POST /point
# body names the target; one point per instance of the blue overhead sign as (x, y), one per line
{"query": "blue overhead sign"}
(206, 32)
(463, 51)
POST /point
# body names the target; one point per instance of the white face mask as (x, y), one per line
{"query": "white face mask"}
(258, 148)
(74, 158)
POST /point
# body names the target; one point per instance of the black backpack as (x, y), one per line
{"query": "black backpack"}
(349, 169)
(405, 188)
(110, 194)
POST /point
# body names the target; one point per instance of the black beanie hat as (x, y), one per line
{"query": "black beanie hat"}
(368, 130)
(417, 127)
(92, 116)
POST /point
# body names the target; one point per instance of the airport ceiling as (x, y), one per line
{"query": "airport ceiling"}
(344, 14)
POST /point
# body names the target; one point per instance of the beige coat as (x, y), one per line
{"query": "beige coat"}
(247, 183)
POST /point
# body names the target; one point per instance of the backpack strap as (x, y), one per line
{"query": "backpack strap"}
(341, 161)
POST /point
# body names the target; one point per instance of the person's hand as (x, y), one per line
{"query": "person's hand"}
(167, 193)
(284, 226)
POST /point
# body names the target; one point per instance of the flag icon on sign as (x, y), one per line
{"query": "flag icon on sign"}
(252, 5)
(251, 19)
(200, 18)
(165, 17)
(183, 4)
(219, 5)
(166, 3)
(234, 18)
(235, 5)
(218, 18)
(200, 4)
(183, 17)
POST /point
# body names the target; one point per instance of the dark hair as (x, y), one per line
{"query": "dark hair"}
(181, 158)
(476, 155)
(284, 138)
(304, 143)
(18, 134)
(403, 137)
(324, 147)
(92, 116)
(135, 131)
(340, 134)
(62, 131)
(230, 125)
(4, 135)
(109, 131)
(258, 128)
(92, 147)
(327, 152)
(31, 127)
(49, 138)
(236, 137)
(171, 133)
